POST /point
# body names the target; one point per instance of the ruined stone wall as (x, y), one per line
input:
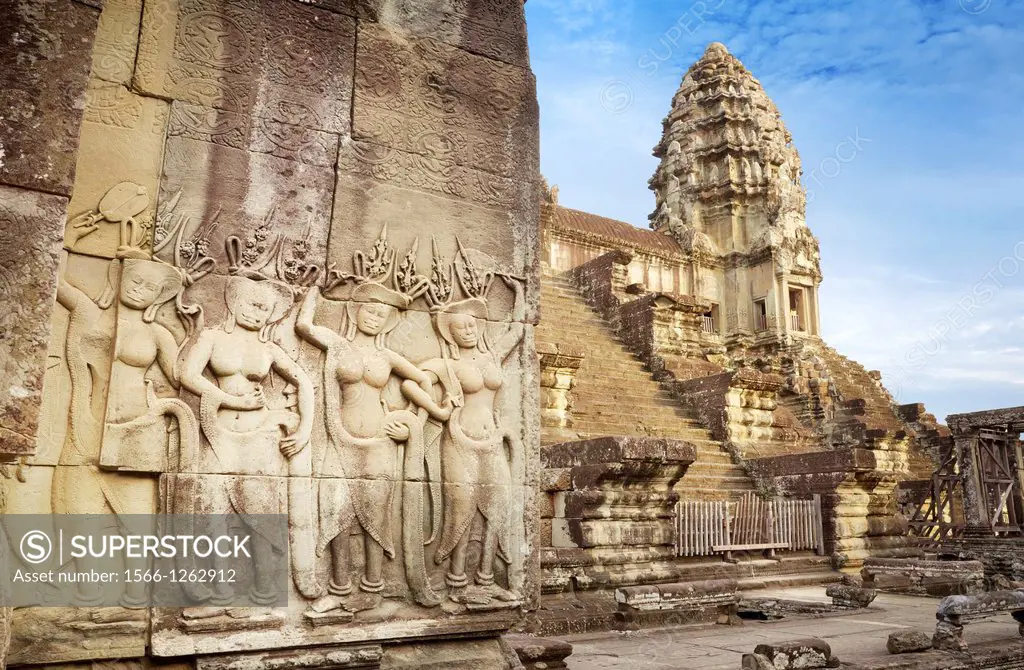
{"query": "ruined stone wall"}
(742, 408)
(607, 511)
(298, 230)
(44, 69)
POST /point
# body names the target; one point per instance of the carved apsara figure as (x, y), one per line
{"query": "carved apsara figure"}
(244, 434)
(247, 437)
(361, 465)
(477, 453)
(135, 436)
(136, 420)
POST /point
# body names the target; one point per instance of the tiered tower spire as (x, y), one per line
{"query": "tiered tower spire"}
(728, 187)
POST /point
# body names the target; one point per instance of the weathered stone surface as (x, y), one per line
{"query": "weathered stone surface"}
(377, 184)
(6, 614)
(117, 40)
(795, 654)
(924, 577)
(44, 58)
(756, 662)
(538, 653)
(457, 655)
(80, 354)
(483, 107)
(67, 634)
(711, 600)
(850, 596)
(368, 656)
(121, 142)
(264, 60)
(494, 29)
(1007, 416)
(223, 176)
(205, 349)
(610, 495)
(438, 134)
(558, 367)
(30, 237)
(955, 611)
(908, 641)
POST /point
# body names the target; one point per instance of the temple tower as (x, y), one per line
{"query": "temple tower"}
(728, 189)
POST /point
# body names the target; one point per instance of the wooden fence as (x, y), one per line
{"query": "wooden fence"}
(711, 527)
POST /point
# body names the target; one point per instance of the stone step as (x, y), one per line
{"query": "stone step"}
(622, 384)
(598, 402)
(705, 493)
(696, 437)
(762, 582)
(733, 473)
(582, 316)
(635, 390)
(599, 429)
(621, 407)
(617, 375)
(701, 468)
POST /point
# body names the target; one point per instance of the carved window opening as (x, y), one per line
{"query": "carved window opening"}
(760, 315)
(797, 310)
(710, 321)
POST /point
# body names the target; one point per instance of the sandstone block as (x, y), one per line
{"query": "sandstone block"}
(537, 653)
(117, 40)
(223, 177)
(265, 60)
(122, 141)
(30, 237)
(798, 654)
(44, 68)
(850, 596)
(908, 641)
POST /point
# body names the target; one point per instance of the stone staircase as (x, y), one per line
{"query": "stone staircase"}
(866, 405)
(616, 395)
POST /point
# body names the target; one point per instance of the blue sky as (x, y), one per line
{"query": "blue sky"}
(921, 231)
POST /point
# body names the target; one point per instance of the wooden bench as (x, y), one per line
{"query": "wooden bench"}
(955, 611)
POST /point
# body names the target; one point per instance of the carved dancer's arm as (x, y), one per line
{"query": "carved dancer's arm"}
(166, 354)
(192, 378)
(416, 386)
(318, 335)
(74, 299)
(421, 398)
(514, 335)
(295, 375)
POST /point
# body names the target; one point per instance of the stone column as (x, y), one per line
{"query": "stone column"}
(45, 51)
(558, 368)
(976, 518)
(783, 325)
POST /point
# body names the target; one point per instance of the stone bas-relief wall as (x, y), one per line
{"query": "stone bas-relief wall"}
(299, 280)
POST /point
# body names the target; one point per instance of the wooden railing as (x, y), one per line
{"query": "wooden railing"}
(704, 528)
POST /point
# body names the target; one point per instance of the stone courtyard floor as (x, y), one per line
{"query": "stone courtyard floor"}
(857, 637)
